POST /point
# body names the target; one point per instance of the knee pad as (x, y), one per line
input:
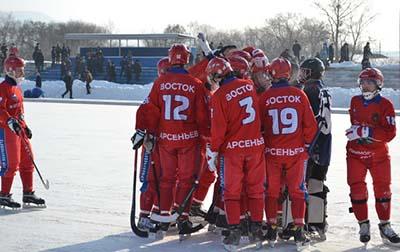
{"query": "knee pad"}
(316, 205)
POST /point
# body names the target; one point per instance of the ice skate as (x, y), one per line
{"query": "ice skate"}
(231, 242)
(271, 235)
(365, 234)
(388, 235)
(30, 200)
(7, 201)
(302, 242)
(256, 234)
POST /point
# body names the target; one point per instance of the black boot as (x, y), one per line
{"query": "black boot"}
(231, 242)
(29, 198)
(256, 234)
(365, 234)
(388, 235)
(300, 238)
(7, 201)
(271, 234)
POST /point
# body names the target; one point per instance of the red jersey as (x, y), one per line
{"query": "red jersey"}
(199, 70)
(181, 101)
(288, 121)
(11, 102)
(235, 119)
(379, 115)
(147, 117)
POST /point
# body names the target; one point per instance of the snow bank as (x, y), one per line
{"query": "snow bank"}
(104, 90)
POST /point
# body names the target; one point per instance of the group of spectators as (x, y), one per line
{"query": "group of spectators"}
(129, 67)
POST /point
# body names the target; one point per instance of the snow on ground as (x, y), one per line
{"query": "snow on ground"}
(112, 91)
(85, 152)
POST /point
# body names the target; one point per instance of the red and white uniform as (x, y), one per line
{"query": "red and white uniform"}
(289, 124)
(236, 136)
(14, 150)
(147, 118)
(377, 114)
(180, 98)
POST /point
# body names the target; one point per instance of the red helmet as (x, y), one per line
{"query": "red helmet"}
(240, 53)
(280, 68)
(259, 61)
(373, 74)
(249, 49)
(14, 67)
(178, 54)
(218, 68)
(162, 66)
(240, 66)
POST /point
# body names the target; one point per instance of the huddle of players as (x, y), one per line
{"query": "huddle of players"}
(234, 116)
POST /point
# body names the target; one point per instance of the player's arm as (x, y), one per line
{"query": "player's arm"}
(386, 131)
(309, 123)
(218, 123)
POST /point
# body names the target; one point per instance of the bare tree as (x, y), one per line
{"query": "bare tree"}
(338, 13)
(357, 26)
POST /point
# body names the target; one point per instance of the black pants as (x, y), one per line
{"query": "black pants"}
(68, 89)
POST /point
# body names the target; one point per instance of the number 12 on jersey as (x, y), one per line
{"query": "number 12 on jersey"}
(177, 111)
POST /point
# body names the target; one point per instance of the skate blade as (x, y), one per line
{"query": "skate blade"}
(230, 247)
(183, 237)
(302, 246)
(32, 206)
(271, 244)
(387, 242)
(259, 245)
(7, 208)
(211, 228)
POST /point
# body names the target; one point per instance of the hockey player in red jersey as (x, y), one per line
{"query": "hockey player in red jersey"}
(147, 120)
(15, 149)
(373, 125)
(237, 144)
(289, 125)
(180, 99)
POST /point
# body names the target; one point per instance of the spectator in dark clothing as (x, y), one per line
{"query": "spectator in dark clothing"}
(64, 53)
(79, 66)
(285, 54)
(128, 72)
(38, 80)
(367, 51)
(40, 60)
(68, 84)
(88, 80)
(123, 64)
(53, 56)
(111, 74)
(58, 53)
(4, 49)
(296, 48)
(220, 45)
(344, 53)
(331, 52)
(137, 69)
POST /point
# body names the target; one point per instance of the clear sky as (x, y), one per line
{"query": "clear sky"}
(139, 16)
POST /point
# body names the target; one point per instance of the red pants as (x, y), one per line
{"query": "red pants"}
(293, 174)
(206, 179)
(178, 168)
(243, 172)
(379, 169)
(15, 155)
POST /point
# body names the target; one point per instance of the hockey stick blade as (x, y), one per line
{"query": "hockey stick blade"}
(165, 219)
(46, 184)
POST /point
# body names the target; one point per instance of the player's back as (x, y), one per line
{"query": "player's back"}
(180, 98)
(236, 102)
(287, 120)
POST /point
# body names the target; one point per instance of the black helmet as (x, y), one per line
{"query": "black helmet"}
(311, 69)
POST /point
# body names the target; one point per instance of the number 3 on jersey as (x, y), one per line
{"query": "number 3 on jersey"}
(284, 122)
(177, 114)
(248, 103)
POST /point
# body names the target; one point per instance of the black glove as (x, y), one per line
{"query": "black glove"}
(14, 125)
(28, 132)
(137, 139)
